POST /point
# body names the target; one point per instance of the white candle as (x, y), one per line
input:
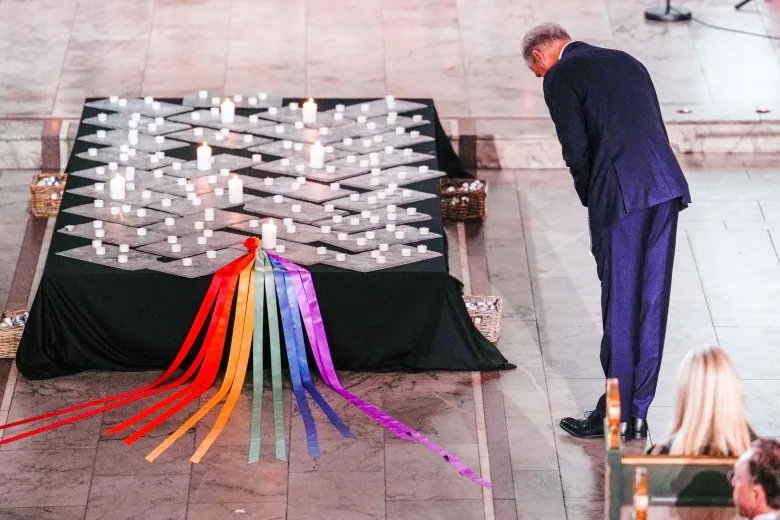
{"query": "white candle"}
(268, 234)
(254, 223)
(201, 241)
(227, 111)
(422, 248)
(340, 257)
(371, 235)
(141, 212)
(325, 229)
(342, 236)
(384, 247)
(208, 214)
(204, 157)
(309, 111)
(186, 262)
(101, 250)
(117, 188)
(329, 208)
(321, 250)
(406, 252)
(235, 190)
(115, 210)
(361, 241)
(124, 248)
(172, 239)
(316, 155)
(211, 254)
(100, 233)
(337, 219)
(97, 224)
(141, 232)
(208, 233)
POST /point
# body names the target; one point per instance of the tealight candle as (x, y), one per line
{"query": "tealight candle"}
(342, 236)
(201, 241)
(102, 117)
(378, 138)
(176, 248)
(298, 125)
(414, 134)
(126, 208)
(329, 208)
(211, 254)
(400, 130)
(424, 230)
(272, 110)
(291, 229)
(198, 225)
(248, 138)
(422, 169)
(389, 149)
(166, 202)
(422, 248)
(253, 118)
(278, 199)
(340, 257)
(124, 248)
(365, 213)
(391, 208)
(208, 214)
(146, 194)
(100, 186)
(351, 159)
(176, 167)
(321, 250)
(195, 116)
(411, 211)
(287, 221)
(115, 210)
(253, 223)
(141, 232)
(364, 163)
(399, 235)
(100, 233)
(381, 259)
(172, 239)
(406, 252)
(384, 247)
(141, 212)
(296, 208)
(197, 132)
(337, 219)
(371, 125)
(122, 102)
(390, 227)
(224, 172)
(371, 235)
(374, 219)
(417, 118)
(186, 262)
(330, 169)
(361, 241)
(354, 221)
(170, 221)
(208, 233)
(219, 192)
(97, 224)
(100, 170)
(325, 229)
(381, 195)
(280, 248)
(354, 197)
(100, 250)
(374, 253)
(92, 152)
(98, 203)
(406, 193)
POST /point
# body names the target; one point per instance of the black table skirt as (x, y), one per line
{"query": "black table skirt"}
(87, 316)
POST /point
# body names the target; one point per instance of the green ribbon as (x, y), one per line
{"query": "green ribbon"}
(256, 425)
(276, 359)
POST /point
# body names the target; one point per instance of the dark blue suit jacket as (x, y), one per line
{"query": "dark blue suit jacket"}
(609, 123)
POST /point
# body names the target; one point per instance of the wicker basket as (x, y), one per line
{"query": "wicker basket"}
(46, 199)
(459, 203)
(10, 337)
(488, 322)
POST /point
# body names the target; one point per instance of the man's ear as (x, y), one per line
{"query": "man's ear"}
(759, 494)
(537, 55)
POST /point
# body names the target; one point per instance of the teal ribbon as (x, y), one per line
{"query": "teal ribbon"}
(276, 361)
(256, 428)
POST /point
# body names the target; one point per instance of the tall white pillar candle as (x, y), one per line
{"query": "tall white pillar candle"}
(204, 157)
(309, 111)
(316, 155)
(116, 188)
(268, 234)
(227, 111)
(235, 190)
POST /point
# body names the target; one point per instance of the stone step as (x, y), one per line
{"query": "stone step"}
(485, 143)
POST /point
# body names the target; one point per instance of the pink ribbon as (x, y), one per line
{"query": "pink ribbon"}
(315, 330)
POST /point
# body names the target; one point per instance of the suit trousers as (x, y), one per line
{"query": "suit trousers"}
(634, 259)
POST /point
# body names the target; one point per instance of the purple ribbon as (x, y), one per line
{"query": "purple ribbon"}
(315, 329)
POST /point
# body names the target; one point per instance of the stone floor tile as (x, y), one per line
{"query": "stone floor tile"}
(531, 444)
(245, 511)
(344, 495)
(42, 513)
(114, 457)
(42, 478)
(224, 476)
(415, 473)
(435, 509)
(339, 455)
(117, 497)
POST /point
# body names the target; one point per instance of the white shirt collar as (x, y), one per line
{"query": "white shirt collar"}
(766, 516)
(562, 48)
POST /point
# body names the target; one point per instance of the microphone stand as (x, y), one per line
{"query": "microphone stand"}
(671, 14)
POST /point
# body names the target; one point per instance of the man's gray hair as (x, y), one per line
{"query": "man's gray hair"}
(542, 35)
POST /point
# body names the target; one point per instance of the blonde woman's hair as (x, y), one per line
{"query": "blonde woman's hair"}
(710, 416)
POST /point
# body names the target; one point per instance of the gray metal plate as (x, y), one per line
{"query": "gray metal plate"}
(379, 142)
(201, 264)
(186, 205)
(304, 135)
(365, 263)
(222, 161)
(130, 218)
(136, 260)
(309, 212)
(299, 167)
(137, 197)
(380, 107)
(372, 200)
(309, 191)
(253, 101)
(287, 148)
(138, 159)
(204, 184)
(189, 245)
(359, 242)
(146, 142)
(303, 233)
(380, 220)
(233, 140)
(139, 105)
(385, 159)
(187, 224)
(113, 233)
(400, 175)
(123, 120)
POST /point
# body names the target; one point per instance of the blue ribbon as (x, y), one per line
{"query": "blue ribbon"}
(290, 343)
(300, 346)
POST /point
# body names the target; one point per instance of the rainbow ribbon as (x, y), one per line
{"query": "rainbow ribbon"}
(268, 291)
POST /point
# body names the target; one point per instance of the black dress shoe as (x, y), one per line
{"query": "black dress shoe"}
(591, 427)
(638, 429)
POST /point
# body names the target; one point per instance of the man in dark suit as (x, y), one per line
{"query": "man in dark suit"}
(614, 142)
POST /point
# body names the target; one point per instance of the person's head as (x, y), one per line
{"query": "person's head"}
(710, 416)
(755, 479)
(542, 47)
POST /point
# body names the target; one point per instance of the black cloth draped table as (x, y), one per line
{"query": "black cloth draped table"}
(411, 317)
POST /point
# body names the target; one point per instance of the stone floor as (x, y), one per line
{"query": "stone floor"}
(533, 251)
(463, 53)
